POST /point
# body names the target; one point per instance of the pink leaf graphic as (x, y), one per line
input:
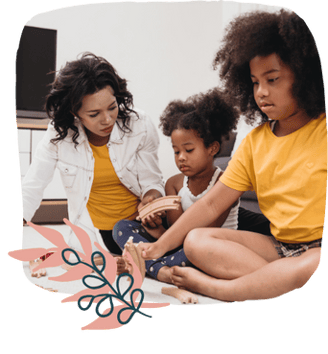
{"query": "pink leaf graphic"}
(53, 236)
(85, 292)
(28, 254)
(109, 322)
(112, 322)
(56, 238)
(82, 236)
(52, 261)
(75, 273)
(113, 317)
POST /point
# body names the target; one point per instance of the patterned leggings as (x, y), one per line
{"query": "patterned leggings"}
(126, 228)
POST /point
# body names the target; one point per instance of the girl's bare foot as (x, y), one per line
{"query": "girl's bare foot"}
(39, 273)
(164, 275)
(198, 282)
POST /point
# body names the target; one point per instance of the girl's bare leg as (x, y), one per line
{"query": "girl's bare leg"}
(234, 249)
(228, 254)
(272, 280)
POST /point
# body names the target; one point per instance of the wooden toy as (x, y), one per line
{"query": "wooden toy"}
(160, 204)
(135, 253)
(186, 297)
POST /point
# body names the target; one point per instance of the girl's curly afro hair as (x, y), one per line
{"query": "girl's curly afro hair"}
(206, 113)
(261, 34)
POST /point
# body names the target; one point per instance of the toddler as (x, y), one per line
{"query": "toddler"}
(196, 127)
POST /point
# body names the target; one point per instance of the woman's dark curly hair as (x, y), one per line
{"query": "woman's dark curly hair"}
(79, 78)
(206, 113)
(261, 34)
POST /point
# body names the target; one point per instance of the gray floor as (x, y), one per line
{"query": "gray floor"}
(150, 287)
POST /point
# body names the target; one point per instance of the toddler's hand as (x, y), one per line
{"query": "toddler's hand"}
(153, 220)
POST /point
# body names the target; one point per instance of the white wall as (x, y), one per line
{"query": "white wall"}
(164, 50)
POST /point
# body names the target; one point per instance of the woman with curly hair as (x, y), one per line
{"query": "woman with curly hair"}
(196, 127)
(270, 67)
(105, 151)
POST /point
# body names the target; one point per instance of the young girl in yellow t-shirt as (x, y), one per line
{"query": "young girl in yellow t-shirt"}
(270, 66)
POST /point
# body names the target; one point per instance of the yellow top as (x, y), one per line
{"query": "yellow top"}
(109, 200)
(289, 176)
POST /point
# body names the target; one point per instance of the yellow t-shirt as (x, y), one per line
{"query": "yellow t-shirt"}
(289, 176)
(109, 200)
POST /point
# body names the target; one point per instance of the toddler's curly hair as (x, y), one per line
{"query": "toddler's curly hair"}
(261, 34)
(206, 113)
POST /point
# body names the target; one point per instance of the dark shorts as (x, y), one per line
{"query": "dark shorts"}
(254, 222)
(294, 249)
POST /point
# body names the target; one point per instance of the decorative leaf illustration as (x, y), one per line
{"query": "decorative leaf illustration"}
(82, 236)
(99, 299)
(28, 254)
(106, 322)
(52, 261)
(56, 238)
(85, 292)
(53, 236)
(118, 284)
(112, 321)
(105, 274)
(111, 265)
(75, 273)
(95, 277)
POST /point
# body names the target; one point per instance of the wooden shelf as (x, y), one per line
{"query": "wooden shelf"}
(51, 212)
(32, 123)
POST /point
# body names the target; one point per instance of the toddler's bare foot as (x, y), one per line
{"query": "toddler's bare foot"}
(197, 281)
(164, 275)
(135, 252)
(123, 265)
(39, 273)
